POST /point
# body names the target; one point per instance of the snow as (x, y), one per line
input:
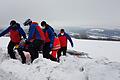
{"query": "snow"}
(97, 37)
(115, 37)
(96, 30)
(107, 34)
(70, 67)
(4, 42)
(95, 48)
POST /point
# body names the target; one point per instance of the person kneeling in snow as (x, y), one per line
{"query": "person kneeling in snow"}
(15, 35)
(35, 39)
(63, 37)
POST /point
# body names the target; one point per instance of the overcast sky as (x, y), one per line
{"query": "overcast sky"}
(62, 12)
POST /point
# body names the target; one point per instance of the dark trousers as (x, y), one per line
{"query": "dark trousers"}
(11, 52)
(46, 52)
(62, 49)
(34, 47)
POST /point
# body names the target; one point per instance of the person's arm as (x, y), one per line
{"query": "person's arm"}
(51, 35)
(69, 38)
(5, 32)
(22, 32)
(31, 32)
(52, 29)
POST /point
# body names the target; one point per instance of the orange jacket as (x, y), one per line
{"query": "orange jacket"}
(56, 44)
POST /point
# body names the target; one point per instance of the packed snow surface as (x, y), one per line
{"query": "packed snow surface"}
(70, 67)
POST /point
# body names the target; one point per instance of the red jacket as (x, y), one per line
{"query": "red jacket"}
(63, 41)
(15, 33)
(56, 44)
(15, 36)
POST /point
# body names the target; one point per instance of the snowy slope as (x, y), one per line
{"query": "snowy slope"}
(106, 34)
(109, 49)
(70, 67)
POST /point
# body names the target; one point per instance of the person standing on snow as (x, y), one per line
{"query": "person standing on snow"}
(63, 37)
(16, 32)
(35, 39)
(49, 40)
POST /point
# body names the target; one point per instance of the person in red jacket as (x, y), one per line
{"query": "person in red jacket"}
(63, 37)
(49, 40)
(16, 32)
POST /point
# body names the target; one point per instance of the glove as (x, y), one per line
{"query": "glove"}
(51, 46)
(21, 47)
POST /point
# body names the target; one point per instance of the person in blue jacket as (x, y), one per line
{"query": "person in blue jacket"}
(35, 39)
(49, 39)
(16, 33)
(63, 37)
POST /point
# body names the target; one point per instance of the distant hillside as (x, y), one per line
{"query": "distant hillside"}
(89, 33)
(94, 33)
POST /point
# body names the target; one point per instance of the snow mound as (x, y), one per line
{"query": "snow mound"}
(3, 55)
(102, 69)
(70, 68)
(39, 70)
(7, 76)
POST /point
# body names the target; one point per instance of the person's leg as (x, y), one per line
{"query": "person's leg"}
(20, 51)
(32, 51)
(40, 45)
(10, 50)
(59, 53)
(46, 51)
(64, 51)
(37, 44)
(54, 55)
(33, 48)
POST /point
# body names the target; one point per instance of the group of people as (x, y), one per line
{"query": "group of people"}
(38, 39)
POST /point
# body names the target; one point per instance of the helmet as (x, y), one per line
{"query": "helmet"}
(43, 23)
(27, 22)
(12, 22)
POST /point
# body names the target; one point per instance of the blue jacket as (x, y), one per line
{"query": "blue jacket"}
(49, 34)
(34, 32)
